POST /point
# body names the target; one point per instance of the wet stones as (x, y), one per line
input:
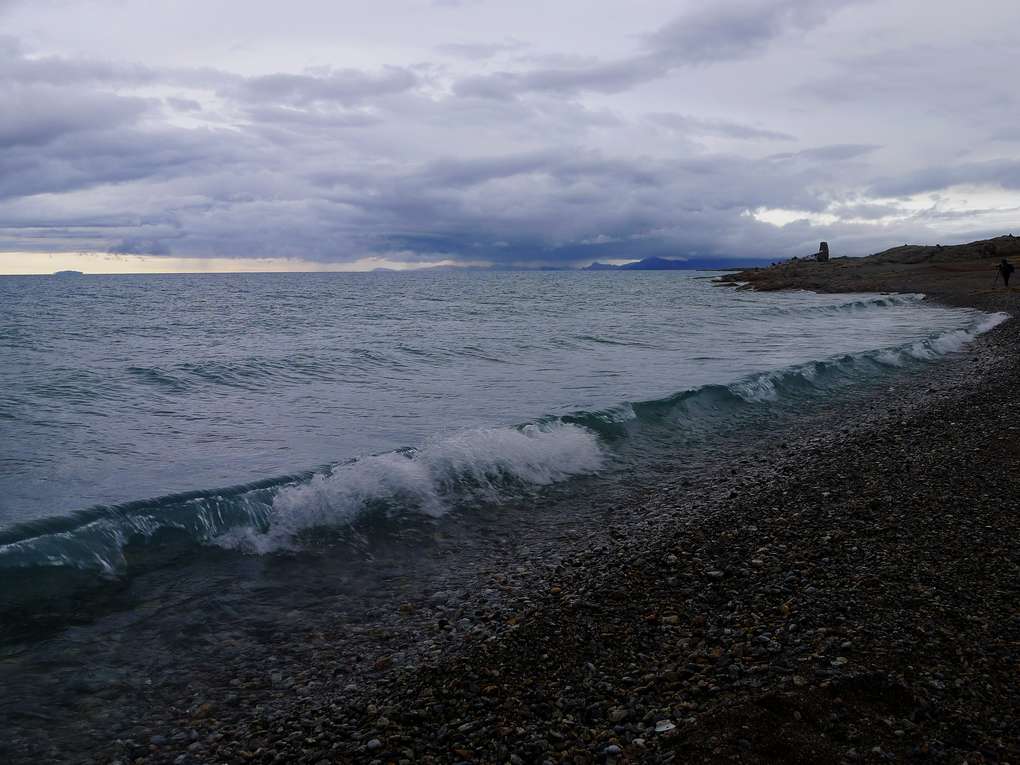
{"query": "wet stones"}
(618, 714)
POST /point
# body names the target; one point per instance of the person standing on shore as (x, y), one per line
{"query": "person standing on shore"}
(1005, 270)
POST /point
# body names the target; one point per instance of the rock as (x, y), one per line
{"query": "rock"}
(618, 714)
(373, 745)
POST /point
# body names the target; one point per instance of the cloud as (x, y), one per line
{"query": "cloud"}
(114, 155)
(140, 247)
(184, 104)
(727, 31)
(345, 86)
(40, 114)
(1004, 173)
(869, 211)
(715, 127)
(611, 77)
(17, 67)
(310, 119)
(659, 143)
(714, 32)
(838, 152)
(480, 51)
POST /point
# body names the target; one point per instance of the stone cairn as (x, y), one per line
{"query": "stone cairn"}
(823, 252)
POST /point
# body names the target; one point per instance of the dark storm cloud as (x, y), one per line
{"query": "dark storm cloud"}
(534, 207)
(140, 247)
(1004, 173)
(721, 31)
(87, 159)
(716, 32)
(544, 206)
(40, 114)
(462, 173)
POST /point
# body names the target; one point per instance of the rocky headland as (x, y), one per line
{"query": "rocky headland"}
(959, 273)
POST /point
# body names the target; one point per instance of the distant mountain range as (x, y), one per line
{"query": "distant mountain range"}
(666, 264)
(648, 264)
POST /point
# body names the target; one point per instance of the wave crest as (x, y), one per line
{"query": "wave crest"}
(484, 464)
(851, 306)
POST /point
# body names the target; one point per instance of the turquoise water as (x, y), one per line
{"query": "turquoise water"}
(247, 411)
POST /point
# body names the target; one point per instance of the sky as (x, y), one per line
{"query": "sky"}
(212, 135)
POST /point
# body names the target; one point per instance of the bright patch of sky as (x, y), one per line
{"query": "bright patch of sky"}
(34, 263)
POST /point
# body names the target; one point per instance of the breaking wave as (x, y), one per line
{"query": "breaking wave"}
(484, 465)
(450, 472)
(864, 305)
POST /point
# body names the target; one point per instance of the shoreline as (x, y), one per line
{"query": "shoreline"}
(822, 615)
(678, 616)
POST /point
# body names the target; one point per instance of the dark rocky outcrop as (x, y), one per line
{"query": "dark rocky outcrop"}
(935, 270)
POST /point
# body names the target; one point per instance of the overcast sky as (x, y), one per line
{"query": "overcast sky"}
(354, 134)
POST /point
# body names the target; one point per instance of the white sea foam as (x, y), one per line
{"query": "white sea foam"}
(478, 463)
(758, 389)
(765, 387)
(951, 342)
